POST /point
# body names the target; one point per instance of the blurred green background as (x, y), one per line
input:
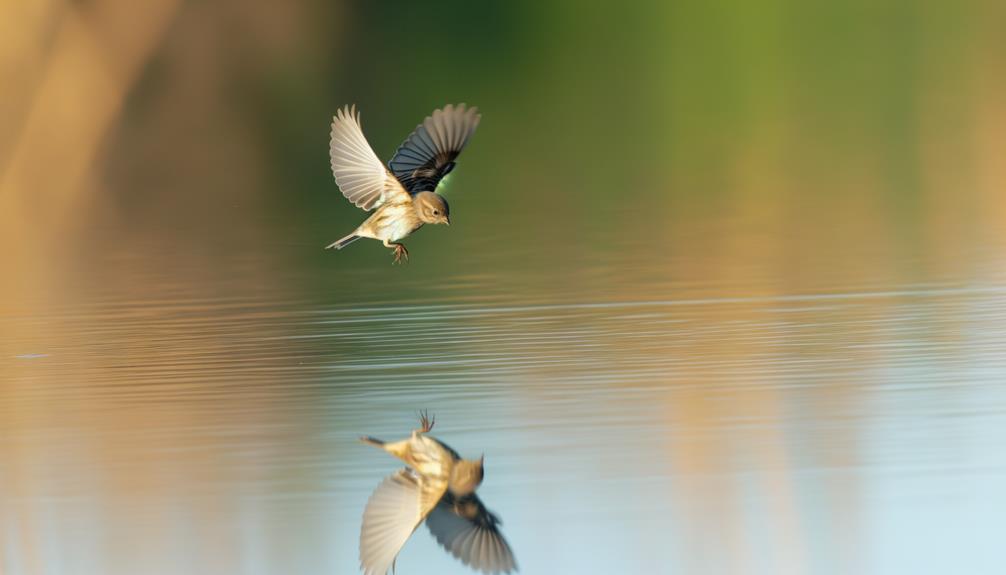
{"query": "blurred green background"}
(834, 133)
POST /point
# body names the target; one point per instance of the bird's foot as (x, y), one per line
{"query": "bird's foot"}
(426, 421)
(401, 253)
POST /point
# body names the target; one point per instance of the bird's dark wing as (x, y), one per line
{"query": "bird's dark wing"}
(393, 512)
(360, 174)
(470, 532)
(428, 154)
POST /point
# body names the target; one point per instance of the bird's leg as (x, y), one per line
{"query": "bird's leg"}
(400, 251)
(426, 421)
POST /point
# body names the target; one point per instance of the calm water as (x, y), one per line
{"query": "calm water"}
(153, 425)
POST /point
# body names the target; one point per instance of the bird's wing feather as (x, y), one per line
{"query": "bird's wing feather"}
(469, 531)
(360, 174)
(428, 154)
(393, 512)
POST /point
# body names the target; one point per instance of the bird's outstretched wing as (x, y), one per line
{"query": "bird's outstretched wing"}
(396, 508)
(360, 174)
(469, 531)
(428, 154)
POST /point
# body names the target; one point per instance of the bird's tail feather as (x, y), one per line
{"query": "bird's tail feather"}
(372, 441)
(339, 244)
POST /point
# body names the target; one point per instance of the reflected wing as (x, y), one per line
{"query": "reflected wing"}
(361, 176)
(393, 512)
(428, 154)
(469, 531)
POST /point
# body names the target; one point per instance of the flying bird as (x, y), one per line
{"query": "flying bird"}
(403, 194)
(438, 486)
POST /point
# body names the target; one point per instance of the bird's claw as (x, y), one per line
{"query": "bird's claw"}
(401, 252)
(426, 421)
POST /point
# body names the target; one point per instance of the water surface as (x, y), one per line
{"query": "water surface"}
(164, 427)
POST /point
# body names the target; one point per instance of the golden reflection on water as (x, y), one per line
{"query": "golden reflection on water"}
(215, 432)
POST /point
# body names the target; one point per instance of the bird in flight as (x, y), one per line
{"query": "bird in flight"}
(403, 194)
(438, 486)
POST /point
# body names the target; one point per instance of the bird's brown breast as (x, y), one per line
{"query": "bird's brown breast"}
(393, 221)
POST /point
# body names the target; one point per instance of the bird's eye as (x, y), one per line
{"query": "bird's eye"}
(436, 212)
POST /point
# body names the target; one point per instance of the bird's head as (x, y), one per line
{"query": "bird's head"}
(432, 208)
(467, 475)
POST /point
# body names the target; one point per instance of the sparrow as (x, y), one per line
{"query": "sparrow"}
(404, 193)
(438, 486)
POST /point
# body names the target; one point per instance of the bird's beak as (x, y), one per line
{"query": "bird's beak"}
(447, 221)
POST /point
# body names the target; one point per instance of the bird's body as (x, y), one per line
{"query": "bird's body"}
(388, 224)
(403, 194)
(391, 222)
(438, 486)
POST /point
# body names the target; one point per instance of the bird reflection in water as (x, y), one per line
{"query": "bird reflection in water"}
(438, 486)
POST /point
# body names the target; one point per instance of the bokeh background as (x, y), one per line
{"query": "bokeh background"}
(724, 292)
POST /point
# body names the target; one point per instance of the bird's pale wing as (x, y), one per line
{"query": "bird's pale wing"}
(393, 512)
(470, 532)
(360, 174)
(428, 154)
